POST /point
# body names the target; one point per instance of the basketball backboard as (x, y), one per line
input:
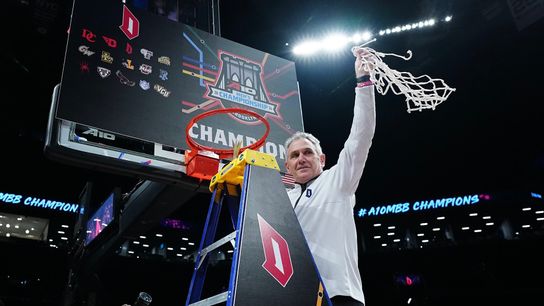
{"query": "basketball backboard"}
(132, 81)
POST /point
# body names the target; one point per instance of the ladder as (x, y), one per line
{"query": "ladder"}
(272, 263)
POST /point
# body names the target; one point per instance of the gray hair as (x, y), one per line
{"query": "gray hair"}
(302, 135)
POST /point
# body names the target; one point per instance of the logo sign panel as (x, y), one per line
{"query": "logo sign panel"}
(276, 251)
(189, 71)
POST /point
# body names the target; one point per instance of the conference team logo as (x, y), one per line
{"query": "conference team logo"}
(130, 25)
(276, 252)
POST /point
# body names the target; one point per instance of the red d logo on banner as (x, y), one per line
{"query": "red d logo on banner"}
(276, 252)
(130, 25)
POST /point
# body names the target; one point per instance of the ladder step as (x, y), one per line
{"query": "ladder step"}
(216, 299)
(214, 246)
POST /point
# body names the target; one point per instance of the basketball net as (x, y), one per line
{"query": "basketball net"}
(421, 92)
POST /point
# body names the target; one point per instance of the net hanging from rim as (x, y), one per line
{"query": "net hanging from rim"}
(421, 92)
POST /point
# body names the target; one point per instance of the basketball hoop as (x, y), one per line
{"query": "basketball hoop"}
(200, 163)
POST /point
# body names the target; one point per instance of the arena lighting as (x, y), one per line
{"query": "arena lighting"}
(306, 48)
(414, 26)
(339, 41)
(335, 42)
(331, 43)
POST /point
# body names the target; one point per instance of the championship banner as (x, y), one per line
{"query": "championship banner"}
(136, 74)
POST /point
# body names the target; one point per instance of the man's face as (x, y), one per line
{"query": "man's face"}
(303, 161)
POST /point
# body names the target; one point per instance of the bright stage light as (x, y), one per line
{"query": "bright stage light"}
(335, 42)
(367, 36)
(357, 38)
(338, 42)
(332, 43)
(306, 48)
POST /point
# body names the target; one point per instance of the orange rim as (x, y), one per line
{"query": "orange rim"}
(224, 152)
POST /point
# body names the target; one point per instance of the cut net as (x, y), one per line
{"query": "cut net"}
(421, 92)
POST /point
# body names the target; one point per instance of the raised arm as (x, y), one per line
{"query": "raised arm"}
(353, 156)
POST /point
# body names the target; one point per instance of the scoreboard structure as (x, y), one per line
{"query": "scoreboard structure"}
(132, 81)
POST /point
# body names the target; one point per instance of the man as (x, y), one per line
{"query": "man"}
(324, 200)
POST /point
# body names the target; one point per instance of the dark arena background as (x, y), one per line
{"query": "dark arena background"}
(450, 207)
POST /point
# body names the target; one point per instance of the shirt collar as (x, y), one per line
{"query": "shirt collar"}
(303, 186)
